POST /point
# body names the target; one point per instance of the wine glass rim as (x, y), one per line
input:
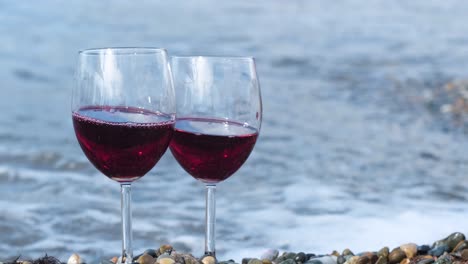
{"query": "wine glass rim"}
(123, 50)
(213, 57)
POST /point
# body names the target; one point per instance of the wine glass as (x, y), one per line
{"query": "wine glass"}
(219, 114)
(123, 112)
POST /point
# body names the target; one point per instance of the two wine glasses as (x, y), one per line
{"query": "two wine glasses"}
(130, 104)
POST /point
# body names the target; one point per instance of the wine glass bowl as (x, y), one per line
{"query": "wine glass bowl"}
(123, 112)
(219, 114)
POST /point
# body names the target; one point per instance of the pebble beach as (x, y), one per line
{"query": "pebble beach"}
(452, 249)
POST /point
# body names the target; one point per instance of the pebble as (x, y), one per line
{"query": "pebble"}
(165, 259)
(245, 260)
(190, 259)
(405, 261)
(352, 260)
(340, 260)
(165, 249)
(347, 252)
(382, 260)
(300, 257)
(396, 256)
(364, 260)
(460, 246)
(423, 249)
(438, 250)
(445, 259)
(288, 261)
(410, 250)
(450, 241)
(151, 252)
(426, 261)
(212, 260)
(384, 252)
(464, 254)
(270, 254)
(145, 259)
(289, 255)
(252, 261)
(74, 259)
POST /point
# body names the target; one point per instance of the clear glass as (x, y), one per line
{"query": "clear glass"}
(219, 115)
(123, 111)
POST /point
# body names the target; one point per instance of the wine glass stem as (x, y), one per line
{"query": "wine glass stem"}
(126, 198)
(210, 220)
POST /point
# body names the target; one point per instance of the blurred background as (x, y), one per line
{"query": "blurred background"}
(363, 145)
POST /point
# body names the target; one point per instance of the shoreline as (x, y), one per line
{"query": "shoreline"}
(452, 249)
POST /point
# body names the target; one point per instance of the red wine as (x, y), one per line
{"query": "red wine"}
(211, 150)
(123, 143)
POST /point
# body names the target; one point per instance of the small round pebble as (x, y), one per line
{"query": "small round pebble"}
(165, 249)
(410, 249)
(209, 260)
(145, 259)
(74, 259)
(423, 249)
(396, 256)
(383, 252)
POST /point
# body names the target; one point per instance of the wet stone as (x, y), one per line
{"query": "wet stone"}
(454, 239)
(461, 246)
(410, 250)
(310, 256)
(347, 252)
(266, 261)
(423, 249)
(335, 253)
(396, 256)
(450, 241)
(439, 250)
(300, 257)
(270, 254)
(106, 261)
